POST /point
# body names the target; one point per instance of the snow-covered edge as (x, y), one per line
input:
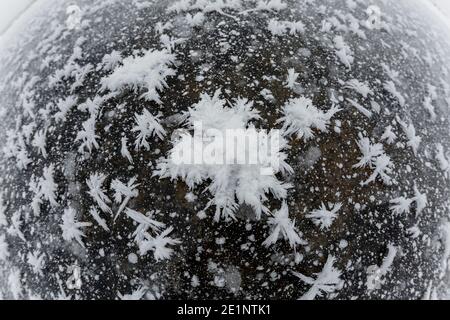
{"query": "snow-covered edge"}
(15, 26)
(436, 10)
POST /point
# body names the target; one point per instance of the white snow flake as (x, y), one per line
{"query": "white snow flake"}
(326, 282)
(360, 87)
(374, 157)
(97, 192)
(388, 135)
(401, 205)
(324, 217)
(229, 183)
(291, 79)
(410, 132)
(80, 75)
(382, 167)
(390, 87)
(279, 28)
(159, 245)
(71, 229)
(111, 60)
(124, 150)
(14, 228)
(144, 224)
(148, 71)
(87, 136)
(123, 193)
(39, 142)
(369, 151)
(47, 185)
(360, 108)
(64, 107)
(283, 225)
(96, 215)
(147, 126)
(93, 105)
(343, 52)
(420, 199)
(36, 261)
(300, 117)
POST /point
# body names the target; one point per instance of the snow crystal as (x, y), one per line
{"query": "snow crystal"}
(360, 108)
(80, 75)
(159, 245)
(96, 215)
(71, 229)
(324, 217)
(388, 135)
(97, 192)
(39, 141)
(291, 78)
(44, 188)
(148, 71)
(390, 87)
(111, 60)
(47, 185)
(279, 28)
(282, 225)
(401, 205)
(87, 136)
(36, 261)
(327, 281)
(369, 151)
(124, 150)
(343, 52)
(15, 226)
(229, 182)
(144, 223)
(360, 87)
(301, 117)
(374, 157)
(413, 139)
(123, 193)
(64, 107)
(420, 199)
(147, 126)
